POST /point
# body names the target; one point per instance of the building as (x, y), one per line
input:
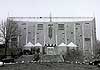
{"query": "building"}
(56, 30)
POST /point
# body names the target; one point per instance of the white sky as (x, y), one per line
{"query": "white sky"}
(65, 8)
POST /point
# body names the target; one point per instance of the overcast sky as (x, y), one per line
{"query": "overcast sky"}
(65, 8)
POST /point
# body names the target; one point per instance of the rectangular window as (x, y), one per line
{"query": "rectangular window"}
(23, 23)
(29, 32)
(86, 23)
(40, 26)
(77, 23)
(60, 26)
(71, 32)
(87, 39)
(24, 28)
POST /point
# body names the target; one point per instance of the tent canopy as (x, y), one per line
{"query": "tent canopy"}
(38, 44)
(71, 44)
(29, 45)
(62, 44)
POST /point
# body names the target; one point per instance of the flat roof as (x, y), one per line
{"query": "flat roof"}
(52, 19)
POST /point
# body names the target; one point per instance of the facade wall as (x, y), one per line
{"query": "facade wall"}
(81, 33)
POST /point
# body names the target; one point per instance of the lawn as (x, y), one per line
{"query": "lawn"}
(48, 66)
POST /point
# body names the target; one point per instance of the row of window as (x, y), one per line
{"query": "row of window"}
(52, 24)
(60, 26)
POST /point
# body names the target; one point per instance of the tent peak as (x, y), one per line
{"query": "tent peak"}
(38, 44)
(29, 44)
(62, 44)
(71, 44)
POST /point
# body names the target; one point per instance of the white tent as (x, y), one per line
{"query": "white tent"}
(62, 44)
(38, 44)
(29, 45)
(71, 44)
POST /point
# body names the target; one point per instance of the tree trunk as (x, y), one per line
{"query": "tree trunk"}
(5, 48)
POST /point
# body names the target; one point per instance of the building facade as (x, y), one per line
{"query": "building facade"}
(56, 30)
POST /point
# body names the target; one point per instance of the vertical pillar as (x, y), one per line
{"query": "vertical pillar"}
(26, 33)
(74, 34)
(35, 33)
(44, 34)
(83, 37)
(56, 34)
(91, 39)
(65, 35)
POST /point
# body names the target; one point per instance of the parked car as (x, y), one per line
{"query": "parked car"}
(1, 63)
(98, 64)
(8, 60)
(95, 62)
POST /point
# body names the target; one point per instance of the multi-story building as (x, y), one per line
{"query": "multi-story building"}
(56, 30)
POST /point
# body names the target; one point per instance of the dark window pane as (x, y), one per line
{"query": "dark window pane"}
(29, 32)
(60, 26)
(86, 23)
(24, 28)
(80, 35)
(40, 27)
(77, 23)
(76, 28)
(23, 23)
(71, 32)
(87, 39)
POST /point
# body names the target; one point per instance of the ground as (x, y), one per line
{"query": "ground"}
(48, 66)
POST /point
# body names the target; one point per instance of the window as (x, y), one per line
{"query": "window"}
(60, 26)
(87, 39)
(80, 35)
(40, 17)
(23, 23)
(86, 23)
(40, 26)
(29, 32)
(37, 38)
(24, 28)
(63, 33)
(71, 32)
(77, 23)
(76, 28)
(37, 33)
(77, 45)
(20, 35)
(67, 39)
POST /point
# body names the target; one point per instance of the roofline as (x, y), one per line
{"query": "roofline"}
(45, 17)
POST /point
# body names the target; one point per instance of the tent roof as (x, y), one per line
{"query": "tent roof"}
(29, 45)
(62, 44)
(50, 47)
(71, 44)
(38, 44)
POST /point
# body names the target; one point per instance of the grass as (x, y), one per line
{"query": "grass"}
(48, 66)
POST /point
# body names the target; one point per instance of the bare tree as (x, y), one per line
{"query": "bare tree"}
(9, 30)
(97, 49)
